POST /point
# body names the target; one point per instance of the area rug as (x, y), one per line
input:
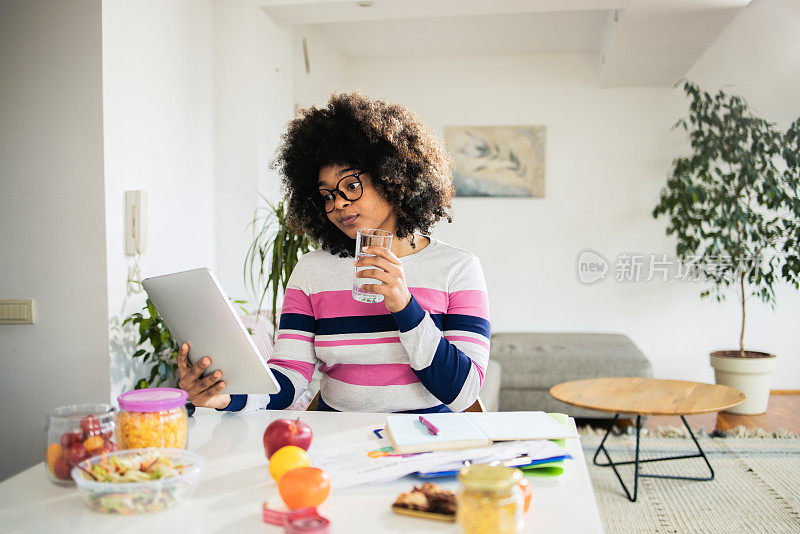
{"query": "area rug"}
(756, 486)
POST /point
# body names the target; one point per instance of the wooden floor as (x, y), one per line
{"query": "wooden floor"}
(783, 412)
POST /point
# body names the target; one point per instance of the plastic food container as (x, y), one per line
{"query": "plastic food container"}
(490, 501)
(75, 433)
(140, 497)
(152, 418)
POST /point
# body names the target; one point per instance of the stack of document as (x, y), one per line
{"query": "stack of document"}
(374, 460)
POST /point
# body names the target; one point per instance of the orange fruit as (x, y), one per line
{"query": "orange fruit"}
(93, 442)
(304, 487)
(285, 459)
(53, 454)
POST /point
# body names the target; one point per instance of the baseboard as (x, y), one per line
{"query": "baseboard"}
(784, 392)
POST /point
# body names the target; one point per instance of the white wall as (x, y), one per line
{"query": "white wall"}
(327, 68)
(252, 103)
(196, 96)
(758, 58)
(51, 217)
(608, 153)
(159, 137)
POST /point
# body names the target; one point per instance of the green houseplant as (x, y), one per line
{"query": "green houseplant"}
(732, 205)
(162, 359)
(273, 254)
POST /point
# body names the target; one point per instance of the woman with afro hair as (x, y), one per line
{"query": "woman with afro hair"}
(362, 163)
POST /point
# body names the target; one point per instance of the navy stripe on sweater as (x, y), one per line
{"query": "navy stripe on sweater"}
(284, 397)
(386, 323)
(298, 321)
(446, 374)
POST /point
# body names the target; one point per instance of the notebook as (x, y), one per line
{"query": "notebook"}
(470, 429)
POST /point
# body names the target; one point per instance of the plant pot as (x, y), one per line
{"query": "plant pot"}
(750, 375)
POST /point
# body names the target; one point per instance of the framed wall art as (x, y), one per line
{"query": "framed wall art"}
(497, 161)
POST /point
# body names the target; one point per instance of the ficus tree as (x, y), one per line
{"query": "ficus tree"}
(732, 203)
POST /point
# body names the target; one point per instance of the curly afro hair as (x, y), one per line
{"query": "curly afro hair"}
(408, 164)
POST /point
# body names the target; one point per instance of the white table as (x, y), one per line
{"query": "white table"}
(236, 482)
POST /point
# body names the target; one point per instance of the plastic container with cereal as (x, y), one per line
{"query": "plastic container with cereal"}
(152, 418)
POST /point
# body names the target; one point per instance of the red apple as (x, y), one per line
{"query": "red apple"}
(76, 453)
(283, 432)
(69, 438)
(61, 469)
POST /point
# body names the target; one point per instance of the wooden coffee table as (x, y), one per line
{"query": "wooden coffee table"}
(647, 396)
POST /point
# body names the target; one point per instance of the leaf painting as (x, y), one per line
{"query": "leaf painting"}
(497, 161)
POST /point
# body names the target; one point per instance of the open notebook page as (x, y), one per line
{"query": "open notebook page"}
(506, 426)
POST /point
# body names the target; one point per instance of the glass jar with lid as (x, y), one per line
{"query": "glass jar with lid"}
(74, 433)
(153, 417)
(490, 500)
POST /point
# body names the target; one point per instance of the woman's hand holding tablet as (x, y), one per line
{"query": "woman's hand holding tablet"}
(206, 391)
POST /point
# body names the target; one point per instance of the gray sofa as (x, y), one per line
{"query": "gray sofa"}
(533, 362)
(524, 366)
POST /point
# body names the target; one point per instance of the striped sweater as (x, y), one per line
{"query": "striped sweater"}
(428, 357)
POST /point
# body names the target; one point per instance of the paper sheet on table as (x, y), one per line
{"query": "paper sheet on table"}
(350, 465)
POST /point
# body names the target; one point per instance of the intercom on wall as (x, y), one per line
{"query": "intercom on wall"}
(135, 222)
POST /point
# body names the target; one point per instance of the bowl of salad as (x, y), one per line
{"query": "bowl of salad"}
(138, 480)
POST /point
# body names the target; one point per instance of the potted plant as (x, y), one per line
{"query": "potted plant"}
(162, 359)
(734, 210)
(273, 254)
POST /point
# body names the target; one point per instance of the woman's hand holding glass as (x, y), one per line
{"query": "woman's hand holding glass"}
(389, 270)
(206, 391)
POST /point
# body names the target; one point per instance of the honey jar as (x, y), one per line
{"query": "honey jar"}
(490, 500)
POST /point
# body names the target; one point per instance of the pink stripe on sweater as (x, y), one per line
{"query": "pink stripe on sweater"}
(304, 368)
(328, 304)
(481, 372)
(470, 302)
(295, 301)
(295, 336)
(370, 341)
(468, 339)
(431, 300)
(387, 374)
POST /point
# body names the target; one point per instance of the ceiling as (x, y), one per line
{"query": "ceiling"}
(636, 42)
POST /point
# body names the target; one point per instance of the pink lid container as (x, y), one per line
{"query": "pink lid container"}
(152, 400)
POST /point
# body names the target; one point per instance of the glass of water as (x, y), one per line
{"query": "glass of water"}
(369, 237)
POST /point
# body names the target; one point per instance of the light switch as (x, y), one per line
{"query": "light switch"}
(17, 312)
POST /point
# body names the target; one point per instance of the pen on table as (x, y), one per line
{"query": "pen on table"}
(431, 429)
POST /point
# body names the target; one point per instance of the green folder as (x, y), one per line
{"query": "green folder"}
(550, 469)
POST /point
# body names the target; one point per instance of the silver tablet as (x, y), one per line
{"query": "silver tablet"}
(197, 311)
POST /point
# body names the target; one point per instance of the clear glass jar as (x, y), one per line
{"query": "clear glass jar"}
(490, 500)
(73, 434)
(152, 418)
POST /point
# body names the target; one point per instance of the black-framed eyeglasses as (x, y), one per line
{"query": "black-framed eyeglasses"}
(349, 188)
